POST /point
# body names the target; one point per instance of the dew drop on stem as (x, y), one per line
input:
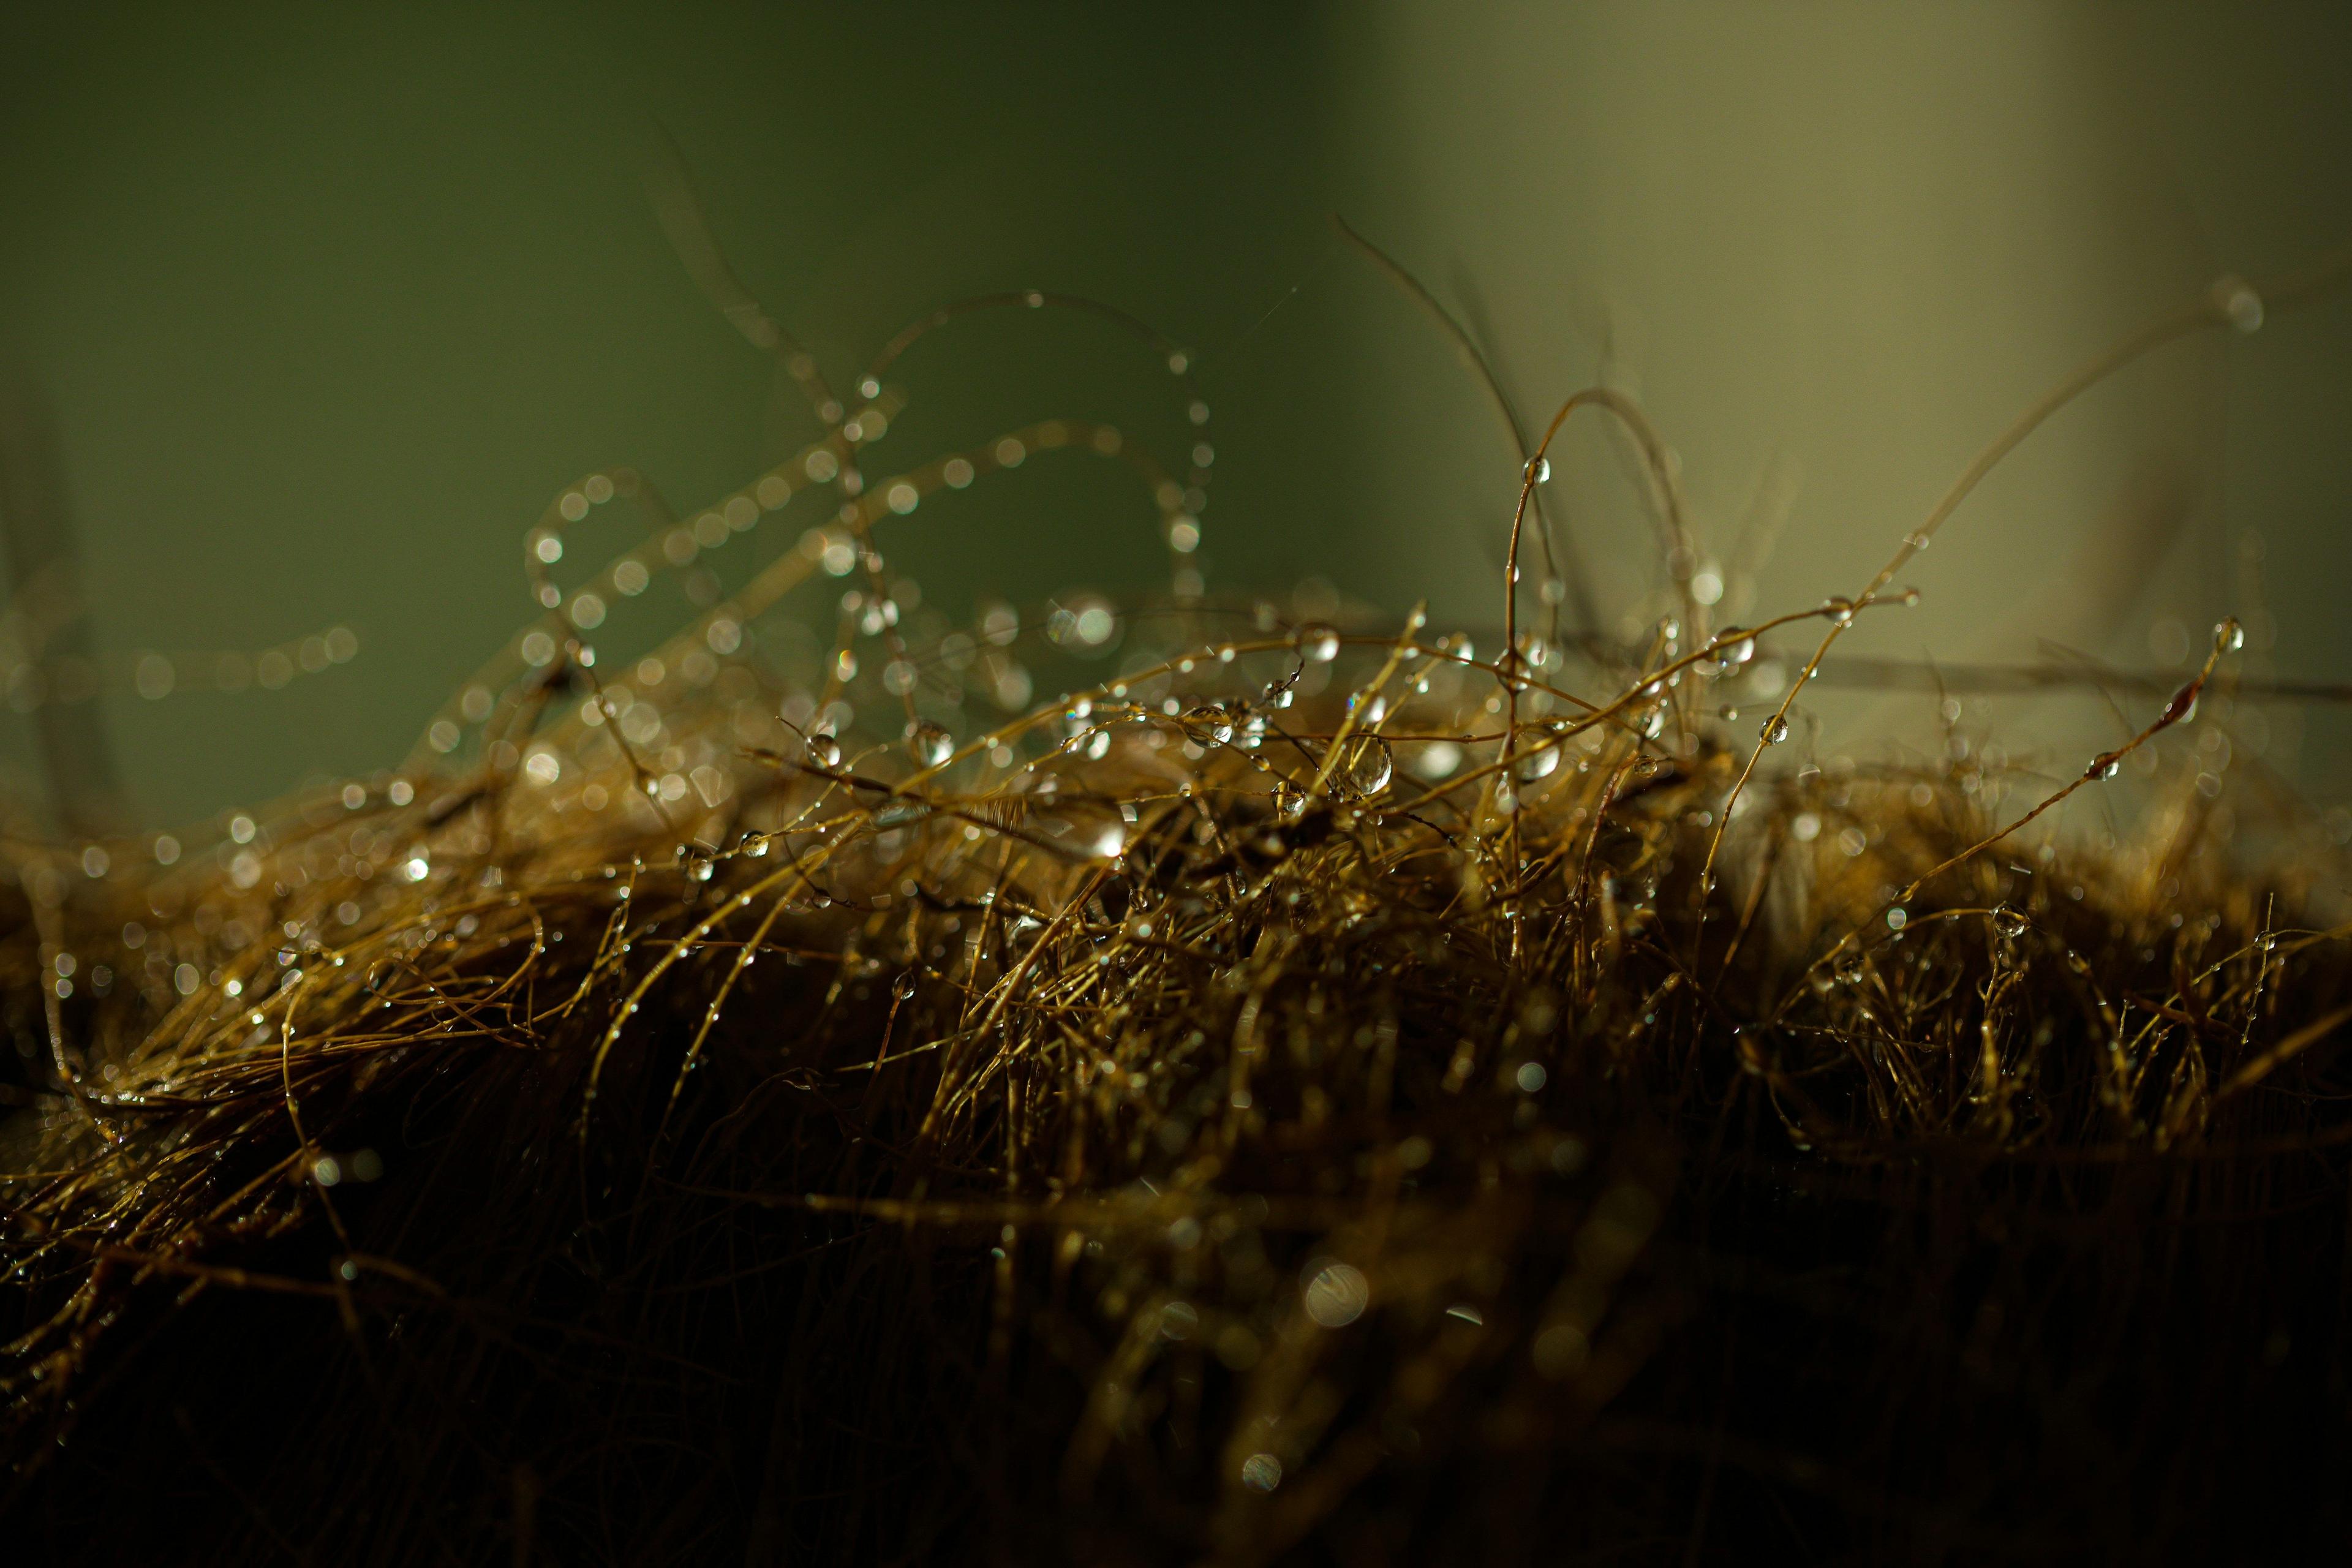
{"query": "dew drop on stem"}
(928, 743)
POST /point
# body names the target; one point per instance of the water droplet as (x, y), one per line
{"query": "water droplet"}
(1317, 642)
(1775, 730)
(2008, 922)
(928, 743)
(2228, 637)
(1538, 469)
(1368, 766)
(1918, 541)
(1211, 724)
(1734, 646)
(2105, 767)
(823, 750)
(1840, 610)
(1540, 763)
(903, 986)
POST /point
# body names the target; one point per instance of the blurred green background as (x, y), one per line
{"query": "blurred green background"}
(328, 303)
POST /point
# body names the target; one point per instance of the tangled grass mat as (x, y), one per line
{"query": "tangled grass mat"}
(1327, 1094)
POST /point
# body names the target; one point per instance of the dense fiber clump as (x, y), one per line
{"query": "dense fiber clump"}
(1206, 1136)
(1318, 1096)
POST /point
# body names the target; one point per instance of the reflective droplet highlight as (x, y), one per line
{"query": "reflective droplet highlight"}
(1317, 642)
(928, 743)
(1368, 766)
